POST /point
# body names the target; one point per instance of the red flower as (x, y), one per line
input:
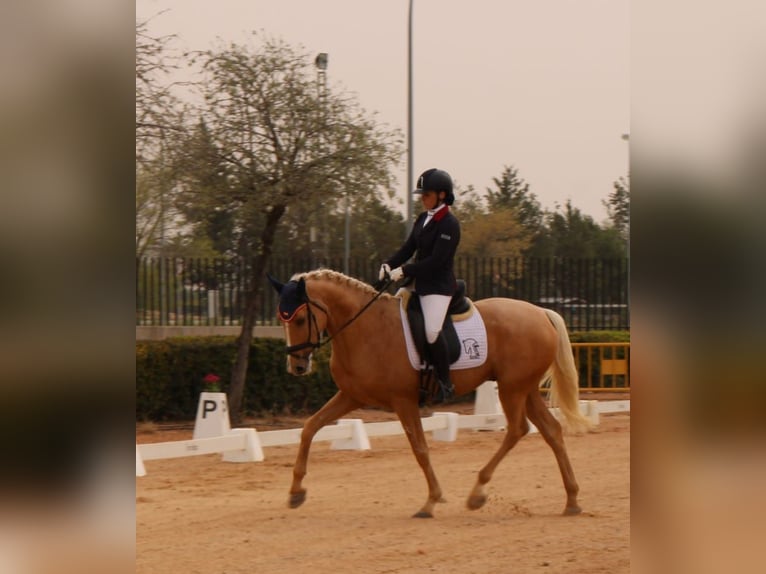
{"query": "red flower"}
(211, 379)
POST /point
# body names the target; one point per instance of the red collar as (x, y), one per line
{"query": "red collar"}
(441, 213)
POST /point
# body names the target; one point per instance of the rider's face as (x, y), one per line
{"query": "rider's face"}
(429, 199)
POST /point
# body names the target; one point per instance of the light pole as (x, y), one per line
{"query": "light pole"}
(626, 138)
(409, 184)
(321, 65)
(347, 235)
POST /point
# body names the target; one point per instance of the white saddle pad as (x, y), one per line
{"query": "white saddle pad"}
(470, 332)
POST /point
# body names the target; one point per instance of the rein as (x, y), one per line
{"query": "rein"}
(312, 321)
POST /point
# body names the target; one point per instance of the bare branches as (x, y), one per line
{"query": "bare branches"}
(156, 107)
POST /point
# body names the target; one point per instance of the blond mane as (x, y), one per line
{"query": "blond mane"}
(340, 279)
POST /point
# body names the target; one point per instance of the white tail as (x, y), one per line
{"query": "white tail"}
(564, 387)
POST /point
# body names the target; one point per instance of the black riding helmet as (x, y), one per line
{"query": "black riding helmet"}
(436, 180)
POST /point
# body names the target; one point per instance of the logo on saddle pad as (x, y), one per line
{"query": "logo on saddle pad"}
(471, 348)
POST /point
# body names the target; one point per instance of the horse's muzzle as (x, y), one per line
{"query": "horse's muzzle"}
(298, 365)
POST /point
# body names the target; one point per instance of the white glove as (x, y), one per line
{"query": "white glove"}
(396, 274)
(384, 271)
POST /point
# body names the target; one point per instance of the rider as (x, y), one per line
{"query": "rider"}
(435, 236)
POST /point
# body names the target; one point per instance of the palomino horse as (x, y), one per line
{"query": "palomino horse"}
(526, 346)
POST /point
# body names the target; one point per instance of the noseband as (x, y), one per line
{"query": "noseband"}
(313, 326)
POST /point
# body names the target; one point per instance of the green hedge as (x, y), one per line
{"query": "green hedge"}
(169, 375)
(600, 337)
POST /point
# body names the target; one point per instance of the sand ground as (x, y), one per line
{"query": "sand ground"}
(202, 515)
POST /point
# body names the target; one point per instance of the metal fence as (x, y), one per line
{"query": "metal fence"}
(591, 294)
(603, 366)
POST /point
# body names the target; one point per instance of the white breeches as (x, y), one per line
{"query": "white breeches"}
(434, 310)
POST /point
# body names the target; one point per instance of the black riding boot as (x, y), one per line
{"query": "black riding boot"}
(440, 360)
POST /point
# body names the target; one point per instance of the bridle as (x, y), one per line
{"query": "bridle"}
(313, 325)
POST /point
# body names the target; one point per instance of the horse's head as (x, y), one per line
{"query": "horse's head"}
(303, 325)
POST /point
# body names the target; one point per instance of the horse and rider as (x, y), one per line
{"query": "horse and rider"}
(526, 346)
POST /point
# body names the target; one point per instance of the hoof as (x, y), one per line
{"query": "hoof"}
(297, 498)
(476, 502)
(422, 514)
(572, 510)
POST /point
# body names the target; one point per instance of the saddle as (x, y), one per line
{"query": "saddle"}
(459, 308)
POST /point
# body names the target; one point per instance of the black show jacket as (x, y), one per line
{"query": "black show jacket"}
(435, 244)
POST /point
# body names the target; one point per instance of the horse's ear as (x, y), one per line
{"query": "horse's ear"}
(275, 283)
(301, 292)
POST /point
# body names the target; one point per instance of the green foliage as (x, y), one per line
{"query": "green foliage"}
(262, 139)
(618, 207)
(267, 139)
(269, 149)
(207, 202)
(513, 193)
(600, 337)
(318, 234)
(563, 232)
(497, 234)
(468, 204)
(153, 377)
(169, 377)
(569, 233)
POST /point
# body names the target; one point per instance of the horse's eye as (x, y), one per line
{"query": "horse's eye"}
(300, 321)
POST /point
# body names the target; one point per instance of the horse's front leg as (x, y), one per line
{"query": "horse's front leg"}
(336, 407)
(409, 415)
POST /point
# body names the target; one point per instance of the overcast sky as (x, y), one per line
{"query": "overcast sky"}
(542, 85)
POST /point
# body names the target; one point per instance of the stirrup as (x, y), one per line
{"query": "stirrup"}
(424, 397)
(430, 388)
(444, 393)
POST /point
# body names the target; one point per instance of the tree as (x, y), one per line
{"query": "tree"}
(618, 207)
(159, 120)
(497, 234)
(149, 209)
(469, 204)
(513, 192)
(376, 230)
(572, 234)
(282, 147)
(317, 233)
(156, 106)
(203, 195)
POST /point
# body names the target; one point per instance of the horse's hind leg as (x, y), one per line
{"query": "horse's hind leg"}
(409, 415)
(550, 428)
(513, 406)
(336, 407)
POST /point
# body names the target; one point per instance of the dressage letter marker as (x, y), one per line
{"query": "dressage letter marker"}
(140, 469)
(208, 406)
(212, 416)
(488, 403)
